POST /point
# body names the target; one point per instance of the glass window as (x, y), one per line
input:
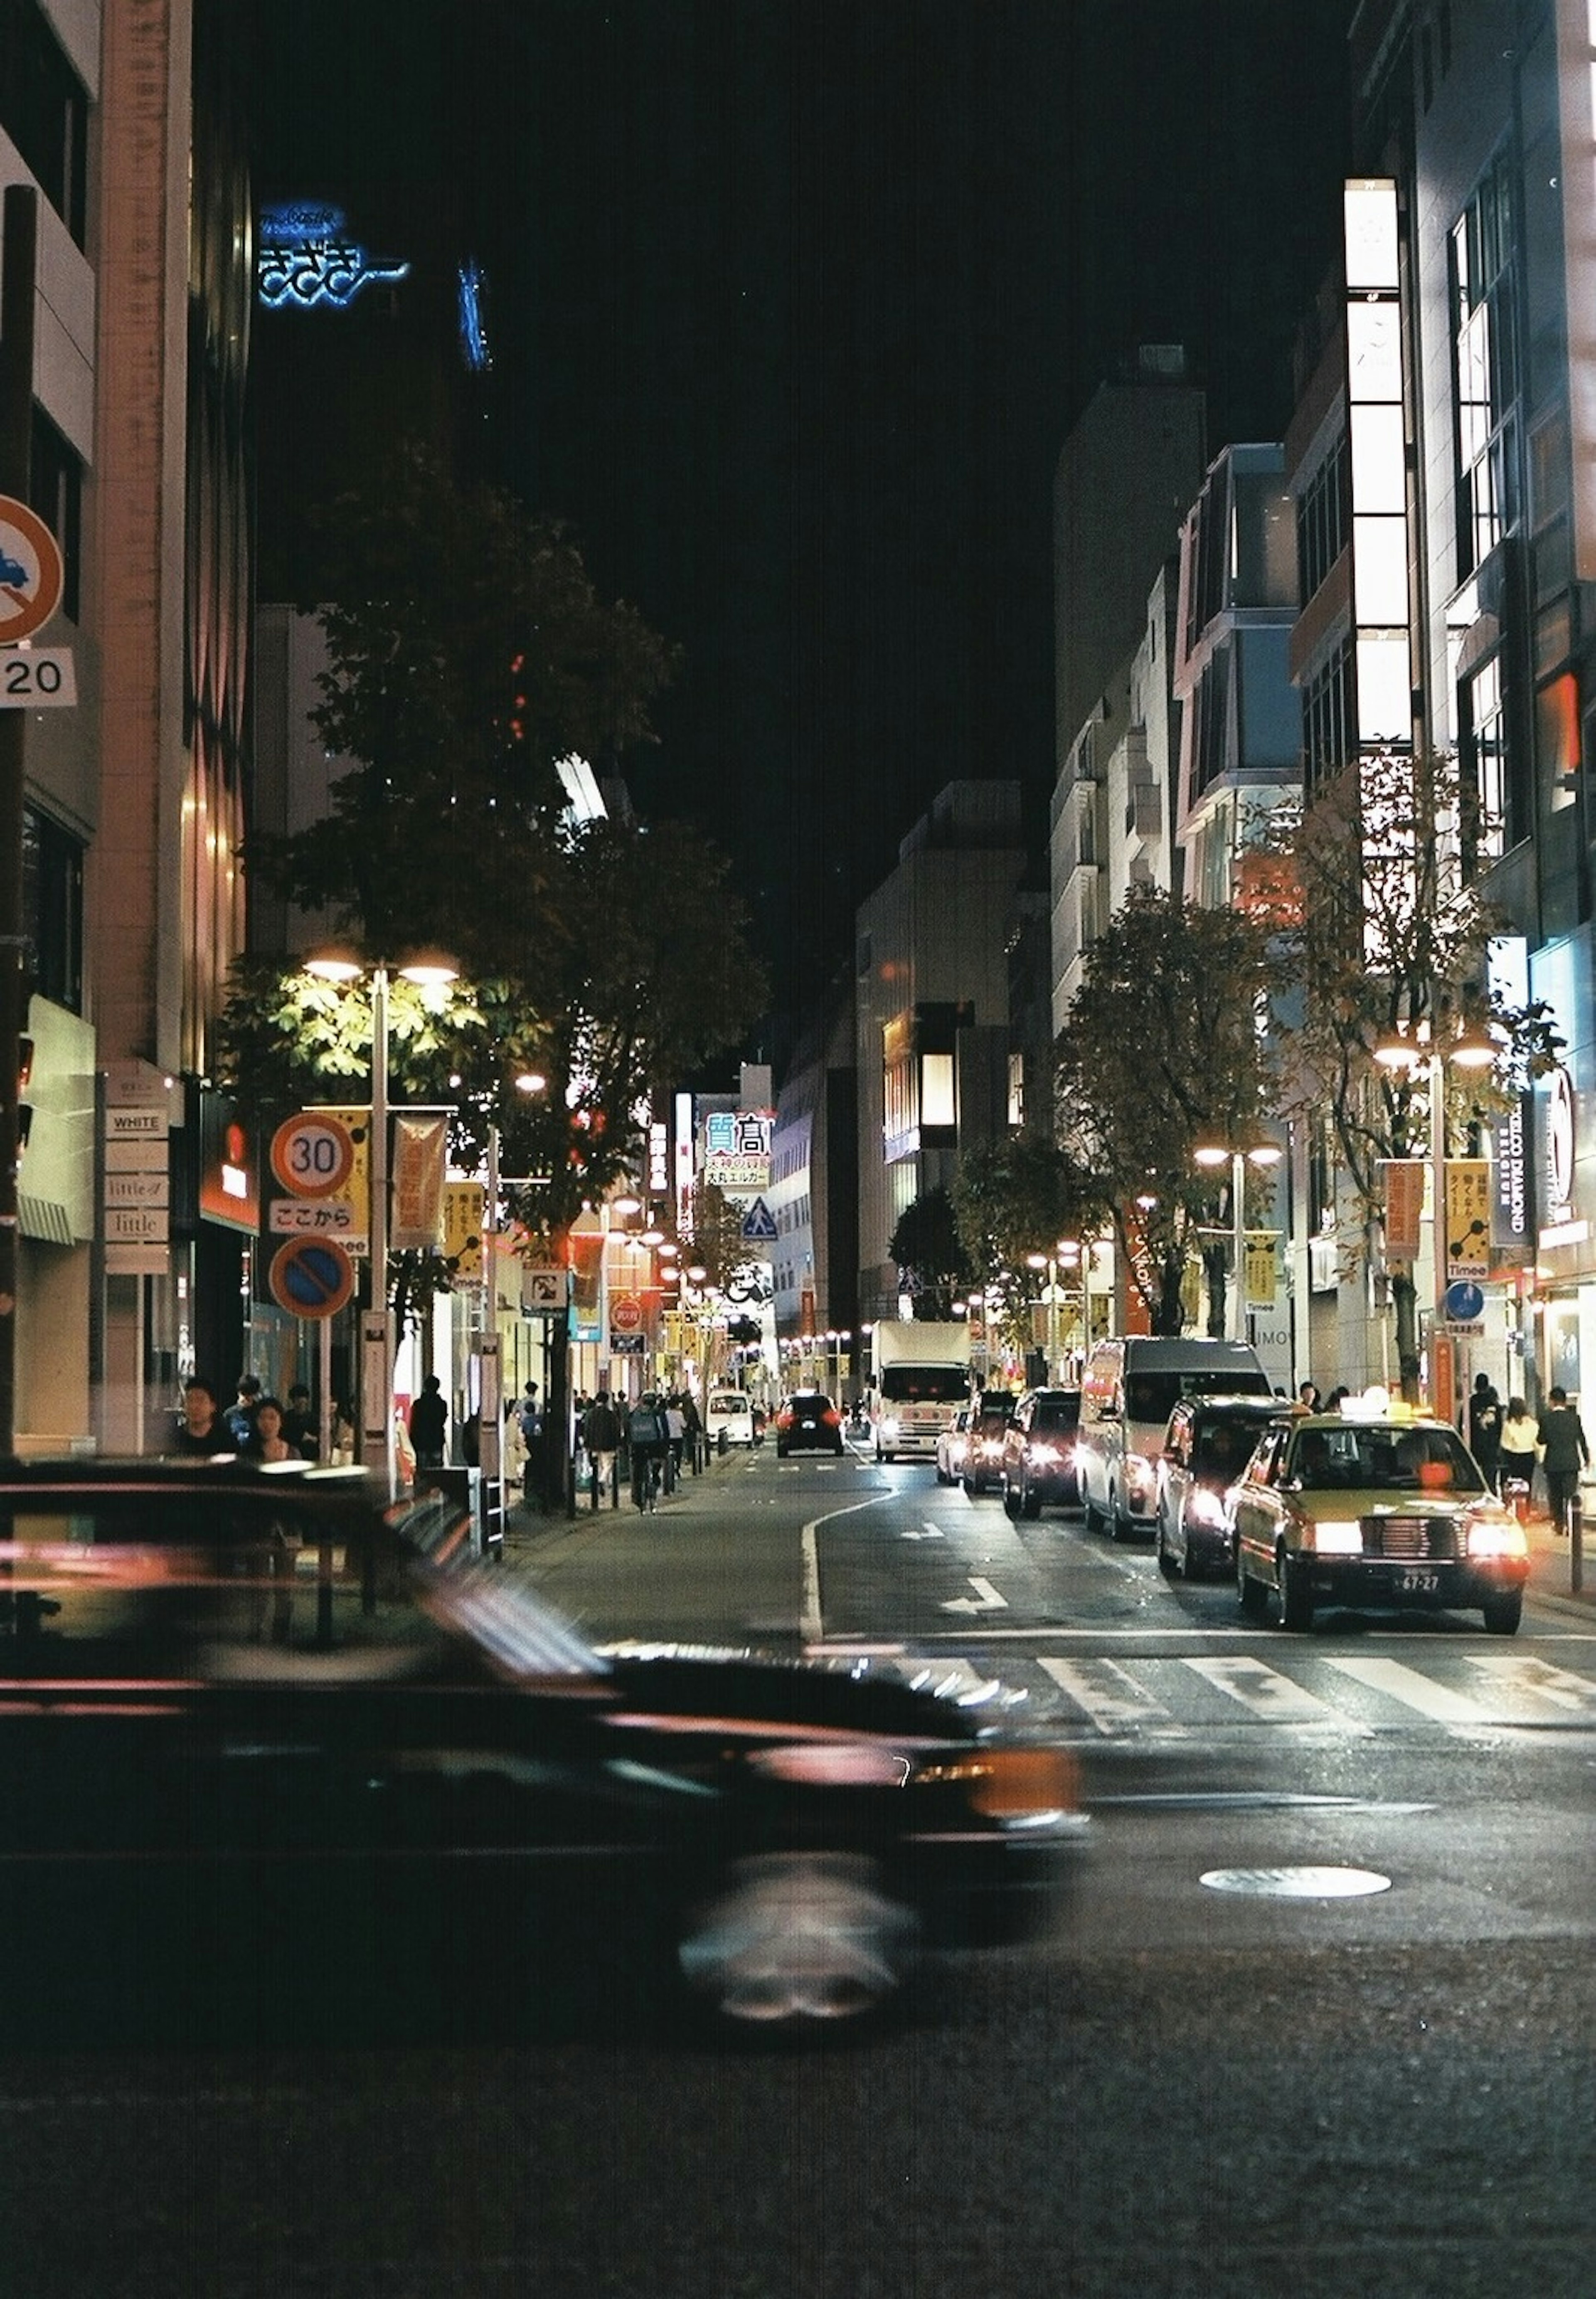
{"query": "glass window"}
(44, 110)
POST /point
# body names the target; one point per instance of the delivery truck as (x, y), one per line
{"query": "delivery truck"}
(920, 1373)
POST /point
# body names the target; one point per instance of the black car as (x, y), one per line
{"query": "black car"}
(808, 1422)
(984, 1442)
(1206, 1447)
(1039, 1465)
(255, 1733)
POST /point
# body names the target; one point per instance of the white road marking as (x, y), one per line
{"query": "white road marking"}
(1522, 1673)
(1398, 1681)
(1266, 1694)
(1110, 1696)
(987, 1599)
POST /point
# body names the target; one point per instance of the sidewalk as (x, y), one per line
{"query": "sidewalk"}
(1551, 1561)
(528, 1526)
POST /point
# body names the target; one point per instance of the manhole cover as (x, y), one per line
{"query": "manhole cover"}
(1297, 1883)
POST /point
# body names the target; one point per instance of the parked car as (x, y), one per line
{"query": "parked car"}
(1386, 1511)
(729, 1411)
(949, 1448)
(808, 1422)
(1206, 1447)
(984, 1439)
(254, 1730)
(1038, 1467)
(1130, 1388)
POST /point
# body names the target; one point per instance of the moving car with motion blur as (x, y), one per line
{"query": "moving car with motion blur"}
(1207, 1446)
(1038, 1468)
(984, 1439)
(1373, 1511)
(808, 1422)
(257, 1734)
(949, 1448)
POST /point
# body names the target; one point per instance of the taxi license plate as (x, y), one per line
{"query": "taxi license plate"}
(1413, 1582)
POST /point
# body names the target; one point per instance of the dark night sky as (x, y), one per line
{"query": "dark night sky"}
(794, 303)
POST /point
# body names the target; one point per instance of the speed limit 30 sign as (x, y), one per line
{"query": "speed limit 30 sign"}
(312, 1155)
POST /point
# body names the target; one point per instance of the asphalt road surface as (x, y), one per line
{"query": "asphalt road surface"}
(1206, 2082)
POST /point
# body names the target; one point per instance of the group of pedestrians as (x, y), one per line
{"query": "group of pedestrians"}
(255, 1427)
(1509, 1446)
(659, 1434)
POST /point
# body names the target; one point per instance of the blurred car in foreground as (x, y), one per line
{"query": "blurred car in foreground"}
(1383, 1511)
(252, 1726)
(728, 1413)
(1207, 1446)
(984, 1441)
(808, 1422)
(949, 1448)
(1038, 1467)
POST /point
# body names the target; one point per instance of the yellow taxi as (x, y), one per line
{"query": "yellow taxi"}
(1374, 1509)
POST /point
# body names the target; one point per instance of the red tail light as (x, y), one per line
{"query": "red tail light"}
(832, 1417)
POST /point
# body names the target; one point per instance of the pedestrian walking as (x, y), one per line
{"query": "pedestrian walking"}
(269, 1442)
(1564, 1452)
(299, 1422)
(429, 1424)
(1516, 1460)
(675, 1434)
(203, 1431)
(601, 1433)
(240, 1414)
(1484, 1428)
(1307, 1396)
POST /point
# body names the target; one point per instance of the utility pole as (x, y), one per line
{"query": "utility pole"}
(18, 266)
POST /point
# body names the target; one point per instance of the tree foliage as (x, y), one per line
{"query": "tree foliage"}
(931, 1262)
(1385, 935)
(468, 654)
(1162, 1052)
(1016, 1197)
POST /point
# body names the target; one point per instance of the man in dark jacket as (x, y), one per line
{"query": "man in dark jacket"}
(601, 1441)
(429, 1420)
(1484, 1428)
(1564, 1453)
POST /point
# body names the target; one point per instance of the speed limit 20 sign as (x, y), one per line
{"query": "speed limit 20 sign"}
(312, 1155)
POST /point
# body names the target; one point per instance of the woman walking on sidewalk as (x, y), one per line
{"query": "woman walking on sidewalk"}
(1519, 1436)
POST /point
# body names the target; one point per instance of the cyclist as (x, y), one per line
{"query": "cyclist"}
(648, 1441)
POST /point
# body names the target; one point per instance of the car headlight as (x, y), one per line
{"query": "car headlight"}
(1203, 1507)
(1490, 1538)
(1334, 1537)
(889, 1425)
(993, 1447)
(1137, 1471)
(1042, 1456)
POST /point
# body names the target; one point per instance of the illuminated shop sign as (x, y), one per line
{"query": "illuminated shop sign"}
(307, 260)
(473, 323)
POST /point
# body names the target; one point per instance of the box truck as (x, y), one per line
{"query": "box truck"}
(921, 1376)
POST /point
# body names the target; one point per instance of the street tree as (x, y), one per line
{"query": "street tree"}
(1382, 934)
(1014, 1200)
(933, 1265)
(1162, 1053)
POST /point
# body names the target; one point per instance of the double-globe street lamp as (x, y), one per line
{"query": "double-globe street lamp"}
(1260, 1154)
(1421, 1053)
(427, 971)
(1066, 1256)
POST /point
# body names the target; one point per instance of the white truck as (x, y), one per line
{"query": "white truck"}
(921, 1375)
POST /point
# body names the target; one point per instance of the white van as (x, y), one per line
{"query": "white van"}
(1128, 1391)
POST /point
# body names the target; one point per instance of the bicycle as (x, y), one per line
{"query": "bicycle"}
(645, 1483)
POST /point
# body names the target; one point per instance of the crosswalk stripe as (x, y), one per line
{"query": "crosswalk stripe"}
(1266, 1694)
(1523, 1672)
(1109, 1695)
(1398, 1681)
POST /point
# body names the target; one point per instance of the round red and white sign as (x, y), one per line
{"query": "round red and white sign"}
(31, 575)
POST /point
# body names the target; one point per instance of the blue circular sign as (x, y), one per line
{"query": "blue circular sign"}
(1464, 1302)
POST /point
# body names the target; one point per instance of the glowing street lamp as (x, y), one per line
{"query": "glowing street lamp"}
(1260, 1154)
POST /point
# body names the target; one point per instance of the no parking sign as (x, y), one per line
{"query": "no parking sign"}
(310, 1276)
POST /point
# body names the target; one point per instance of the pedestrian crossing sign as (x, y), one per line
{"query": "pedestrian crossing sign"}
(759, 1224)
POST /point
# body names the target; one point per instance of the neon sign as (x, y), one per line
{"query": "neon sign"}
(473, 327)
(308, 259)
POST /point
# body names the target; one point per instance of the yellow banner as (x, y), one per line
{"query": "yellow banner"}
(462, 1227)
(1262, 1272)
(1468, 1218)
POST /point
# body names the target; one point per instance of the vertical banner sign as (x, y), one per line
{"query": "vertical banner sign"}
(1404, 1184)
(1468, 1218)
(462, 1227)
(1509, 1178)
(420, 1148)
(1262, 1273)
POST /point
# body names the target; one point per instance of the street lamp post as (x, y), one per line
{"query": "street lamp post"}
(1065, 1254)
(376, 1327)
(1471, 1049)
(1259, 1154)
